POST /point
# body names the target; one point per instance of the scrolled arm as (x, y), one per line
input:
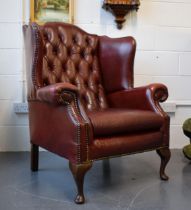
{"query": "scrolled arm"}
(159, 92)
(76, 132)
(59, 93)
(144, 98)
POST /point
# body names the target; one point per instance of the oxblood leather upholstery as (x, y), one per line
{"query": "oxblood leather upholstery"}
(57, 93)
(80, 93)
(122, 121)
(82, 103)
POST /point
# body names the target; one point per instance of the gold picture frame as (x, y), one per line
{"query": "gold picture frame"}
(42, 11)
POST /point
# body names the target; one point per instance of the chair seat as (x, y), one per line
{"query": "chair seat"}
(123, 121)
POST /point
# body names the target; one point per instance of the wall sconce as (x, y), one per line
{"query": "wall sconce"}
(120, 8)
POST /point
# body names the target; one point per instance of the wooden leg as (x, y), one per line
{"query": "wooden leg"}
(34, 157)
(79, 172)
(164, 154)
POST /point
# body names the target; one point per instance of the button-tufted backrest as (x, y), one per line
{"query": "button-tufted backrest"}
(65, 53)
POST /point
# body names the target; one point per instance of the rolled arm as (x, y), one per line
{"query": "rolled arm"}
(72, 129)
(59, 93)
(145, 98)
(158, 92)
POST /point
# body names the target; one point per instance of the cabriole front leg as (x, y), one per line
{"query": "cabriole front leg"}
(79, 172)
(165, 155)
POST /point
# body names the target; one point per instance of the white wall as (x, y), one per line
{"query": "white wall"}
(162, 29)
(13, 128)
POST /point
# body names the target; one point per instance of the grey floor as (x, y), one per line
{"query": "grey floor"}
(127, 183)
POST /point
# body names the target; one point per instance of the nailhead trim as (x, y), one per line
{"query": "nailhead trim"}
(36, 52)
(86, 128)
(130, 153)
(78, 133)
(75, 116)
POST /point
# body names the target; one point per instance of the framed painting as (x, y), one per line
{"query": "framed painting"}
(51, 11)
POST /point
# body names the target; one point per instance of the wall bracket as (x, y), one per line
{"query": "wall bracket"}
(120, 8)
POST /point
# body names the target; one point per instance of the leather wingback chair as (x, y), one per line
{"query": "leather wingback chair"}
(82, 103)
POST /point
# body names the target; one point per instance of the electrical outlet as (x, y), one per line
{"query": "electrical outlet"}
(169, 107)
(20, 108)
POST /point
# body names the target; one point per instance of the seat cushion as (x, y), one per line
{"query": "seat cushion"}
(122, 121)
